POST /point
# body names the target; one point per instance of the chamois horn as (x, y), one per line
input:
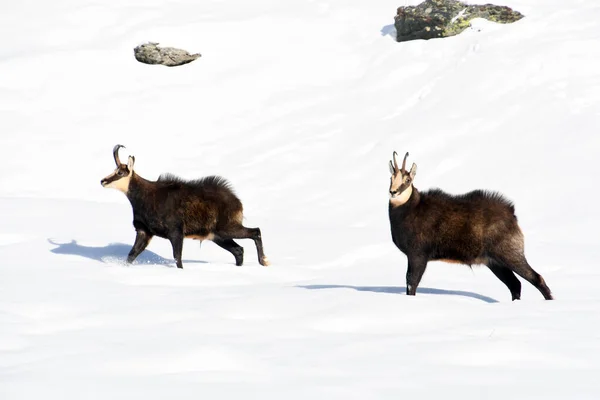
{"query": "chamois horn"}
(395, 162)
(116, 154)
(404, 163)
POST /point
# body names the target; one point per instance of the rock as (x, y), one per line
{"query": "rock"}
(150, 53)
(443, 18)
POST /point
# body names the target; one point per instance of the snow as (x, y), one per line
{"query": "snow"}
(300, 104)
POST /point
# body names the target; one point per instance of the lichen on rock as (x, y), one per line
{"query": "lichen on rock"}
(151, 53)
(443, 18)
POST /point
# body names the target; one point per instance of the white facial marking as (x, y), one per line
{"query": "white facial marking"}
(122, 184)
(397, 181)
(402, 198)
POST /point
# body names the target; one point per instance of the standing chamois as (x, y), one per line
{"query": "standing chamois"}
(174, 209)
(478, 227)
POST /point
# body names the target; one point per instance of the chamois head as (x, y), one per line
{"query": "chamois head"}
(121, 176)
(401, 181)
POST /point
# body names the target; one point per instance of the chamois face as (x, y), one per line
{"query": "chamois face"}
(121, 176)
(401, 182)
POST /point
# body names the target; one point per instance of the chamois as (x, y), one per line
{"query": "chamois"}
(174, 209)
(479, 227)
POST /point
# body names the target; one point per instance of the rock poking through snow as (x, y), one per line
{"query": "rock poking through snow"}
(150, 53)
(443, 18)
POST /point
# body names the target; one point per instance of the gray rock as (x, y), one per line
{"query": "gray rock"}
(150, 53)
(443, 18)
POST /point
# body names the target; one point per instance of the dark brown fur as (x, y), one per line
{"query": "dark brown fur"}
(174, 209)
(475, 228)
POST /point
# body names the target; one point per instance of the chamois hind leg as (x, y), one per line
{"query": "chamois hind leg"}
(241, 232)
(176, 239)
(518, 263)
(507, 277)
(233, 248)
(142, 238)
(414, 273)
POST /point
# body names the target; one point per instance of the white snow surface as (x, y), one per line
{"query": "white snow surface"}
(299, 104)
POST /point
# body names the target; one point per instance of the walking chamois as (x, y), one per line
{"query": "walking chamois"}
(478, 227)
(174, 209)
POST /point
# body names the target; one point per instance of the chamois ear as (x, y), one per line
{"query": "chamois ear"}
(391, 168)
(413, 171)
(130, 163)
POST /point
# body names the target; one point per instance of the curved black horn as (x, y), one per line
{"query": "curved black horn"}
(404, 163)
(395, 162)
(116, 153)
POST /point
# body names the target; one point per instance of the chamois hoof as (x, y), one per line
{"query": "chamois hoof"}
(238, 253)
(265, 262)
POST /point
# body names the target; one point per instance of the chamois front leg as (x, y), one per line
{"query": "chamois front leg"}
(142, 238)
(414, 273)
(176, 239)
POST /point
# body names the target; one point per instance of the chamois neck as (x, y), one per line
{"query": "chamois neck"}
(136, 187)
(139, 180)
(416, 196)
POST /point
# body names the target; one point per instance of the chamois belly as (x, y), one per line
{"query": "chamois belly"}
(208, 236)
(468, 255)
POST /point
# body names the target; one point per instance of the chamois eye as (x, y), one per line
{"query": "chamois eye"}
(408, 181)
(121, 172)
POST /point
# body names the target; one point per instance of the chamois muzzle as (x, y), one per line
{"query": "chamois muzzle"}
(111, 178)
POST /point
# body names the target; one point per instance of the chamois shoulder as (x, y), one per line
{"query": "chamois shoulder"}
(475, 195)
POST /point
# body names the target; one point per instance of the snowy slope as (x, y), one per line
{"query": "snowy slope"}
(300, 105)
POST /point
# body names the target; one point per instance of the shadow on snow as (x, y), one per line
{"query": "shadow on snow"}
(112, 253)
(389, 30)
(402, 289)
